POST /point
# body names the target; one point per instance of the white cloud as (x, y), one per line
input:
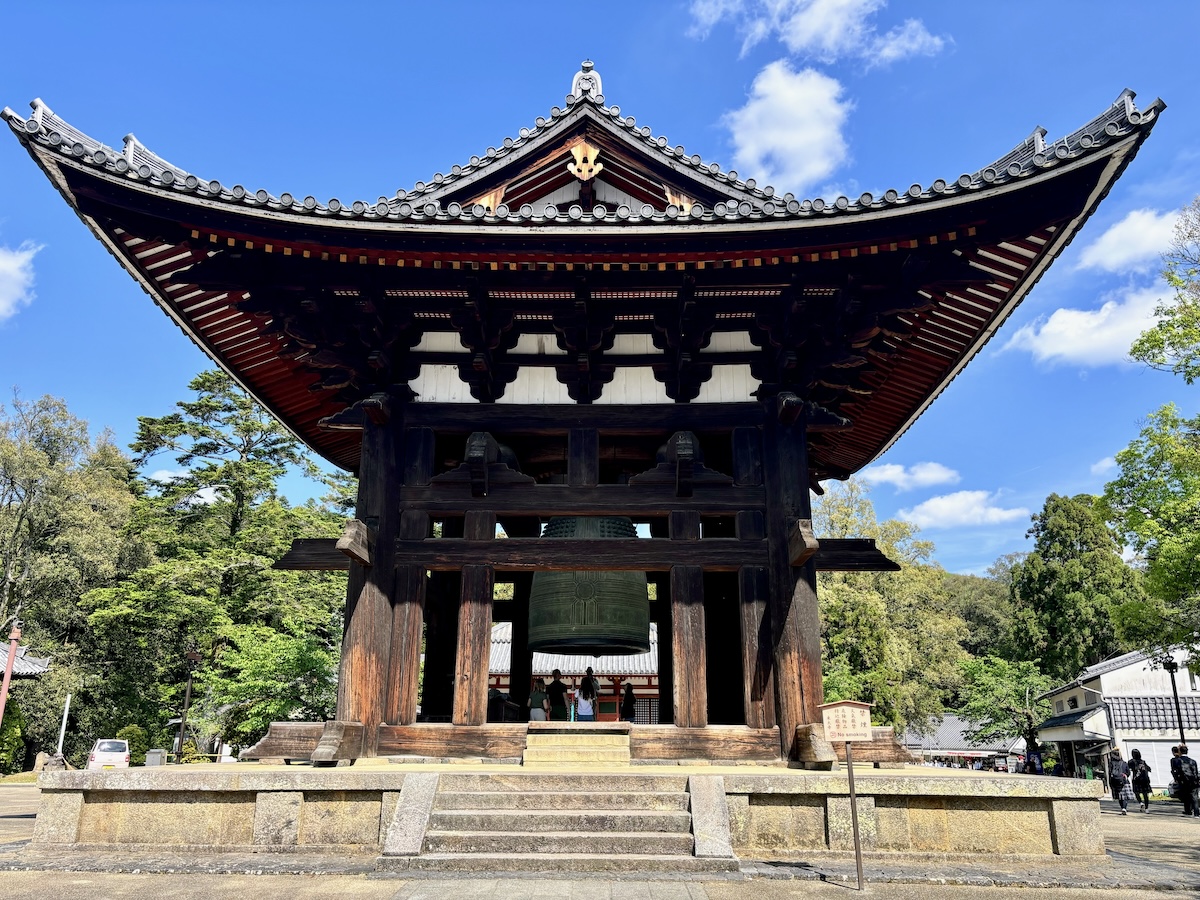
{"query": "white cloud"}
(925, 474)
(823, 30)
(962, 508)
(1091, 337)
(789, 133)
(166, 476)
(16, 278)
(1133, 244)
(1104, 466)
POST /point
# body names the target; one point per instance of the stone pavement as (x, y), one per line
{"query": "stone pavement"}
(1155, 851)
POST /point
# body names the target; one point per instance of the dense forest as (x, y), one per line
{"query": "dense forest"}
(132, 570)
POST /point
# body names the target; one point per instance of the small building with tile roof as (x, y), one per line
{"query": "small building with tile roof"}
(948, 743)
(24, 665)
(1126, 702)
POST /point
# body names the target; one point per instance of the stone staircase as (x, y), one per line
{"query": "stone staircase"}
(566, 823)
(581, 746)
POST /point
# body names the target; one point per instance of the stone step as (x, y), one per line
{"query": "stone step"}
(579, 756)
(577, 740)
(558, 842)
(591, 800)
(568, 865)
(559, 781)
(579, 822)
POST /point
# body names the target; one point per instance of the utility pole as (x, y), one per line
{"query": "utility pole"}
(1168, 663)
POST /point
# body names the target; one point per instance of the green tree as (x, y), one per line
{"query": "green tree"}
(1001, 699)
(1154, 504)
(216, 526)
(1066, 591)
(1173, 343)
(984, 604)
(888, 638)
(65, 502)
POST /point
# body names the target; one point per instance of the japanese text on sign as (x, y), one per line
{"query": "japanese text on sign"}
(846, 721)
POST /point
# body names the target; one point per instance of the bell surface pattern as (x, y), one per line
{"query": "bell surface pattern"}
(591, 613)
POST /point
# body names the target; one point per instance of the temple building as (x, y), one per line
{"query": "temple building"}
(587, 325)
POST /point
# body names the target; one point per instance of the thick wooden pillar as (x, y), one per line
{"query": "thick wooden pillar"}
(795, 617)
(408, 602)
(474, 627)
(758, 664)
(687, 629)
(364, 670)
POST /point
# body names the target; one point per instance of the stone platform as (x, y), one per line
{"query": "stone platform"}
(487, 818)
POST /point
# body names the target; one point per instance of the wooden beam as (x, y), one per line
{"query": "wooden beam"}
(565, 554)
(357, 542)
(802, 545)
(715, 498)
(648, 419)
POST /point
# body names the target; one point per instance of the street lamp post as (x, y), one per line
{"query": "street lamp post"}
(1169, 664)
(192, 658)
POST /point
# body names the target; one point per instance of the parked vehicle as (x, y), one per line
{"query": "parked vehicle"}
(109, 753)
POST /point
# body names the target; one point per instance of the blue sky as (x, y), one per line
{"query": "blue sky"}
(821, 97)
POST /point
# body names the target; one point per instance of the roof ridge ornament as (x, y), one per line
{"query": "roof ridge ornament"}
(586, 83)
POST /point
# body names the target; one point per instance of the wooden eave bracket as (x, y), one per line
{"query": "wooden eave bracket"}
(375, 409)
(802, 543)
(357, 542)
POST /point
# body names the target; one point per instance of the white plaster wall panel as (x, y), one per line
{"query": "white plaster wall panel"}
(536, 385)
(612, 197)
(539, 344)
(634, 384)
(633, 345)
(441, 342)
(441, 384)
(729, 342)
(729, 384)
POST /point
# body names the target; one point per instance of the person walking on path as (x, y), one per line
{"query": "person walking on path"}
(539, 702)
(557, 692)
(1140, 776)
(628, 703)
(1118, 780)
(1187, 779)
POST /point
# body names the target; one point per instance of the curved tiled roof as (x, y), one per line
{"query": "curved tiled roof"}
(24, 665)
(746, 202)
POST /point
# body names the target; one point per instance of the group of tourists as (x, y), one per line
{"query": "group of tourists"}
(1130, 781)
(551, 702)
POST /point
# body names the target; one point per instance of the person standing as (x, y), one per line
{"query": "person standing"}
(539, 702)
(556, 691)
(1118, 780)
(1187, 780)
(628, 703)
(585, 704)
(1140, 776)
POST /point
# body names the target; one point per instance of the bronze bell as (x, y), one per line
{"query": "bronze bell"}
(589, 613)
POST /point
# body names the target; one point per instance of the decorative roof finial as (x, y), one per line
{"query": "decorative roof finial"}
(586, 83)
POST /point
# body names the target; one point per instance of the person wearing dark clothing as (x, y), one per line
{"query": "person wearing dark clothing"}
(1118, 780)
(557, 692)
(1139, 772)
(628, 703)
(1184, 774)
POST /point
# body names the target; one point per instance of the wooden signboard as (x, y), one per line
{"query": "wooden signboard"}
(846, 720)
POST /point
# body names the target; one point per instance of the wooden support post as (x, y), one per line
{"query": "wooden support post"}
(687, 629)
(364, 670)
(520, 670)
(583, 457)
(795, 618)
(758, 664)
(474, 628)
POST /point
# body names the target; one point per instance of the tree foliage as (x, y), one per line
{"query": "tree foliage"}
(889, 638)
(1173, 343)
(1067, 590)
(1001, 699)
(1154, 503)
